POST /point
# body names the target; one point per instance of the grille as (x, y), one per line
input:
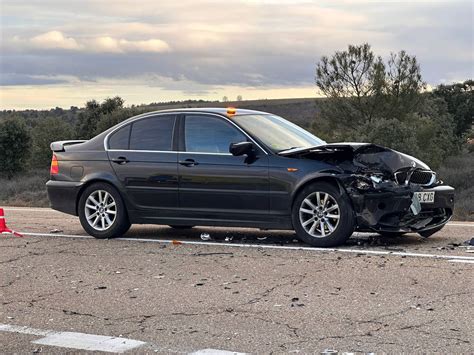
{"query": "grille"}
(419, 177)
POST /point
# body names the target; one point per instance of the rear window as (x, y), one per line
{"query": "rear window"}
(119, 139)
(154, 133)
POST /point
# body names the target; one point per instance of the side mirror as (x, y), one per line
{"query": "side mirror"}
(241, 148)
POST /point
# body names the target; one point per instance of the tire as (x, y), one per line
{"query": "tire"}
(93, 221)
(337, 213)
(181, 227)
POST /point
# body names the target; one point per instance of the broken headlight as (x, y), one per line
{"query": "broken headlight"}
(367, 182)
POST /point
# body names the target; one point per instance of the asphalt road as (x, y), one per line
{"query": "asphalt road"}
(160, 290)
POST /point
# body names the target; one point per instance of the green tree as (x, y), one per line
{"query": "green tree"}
(459, 98)
(46, 131)
(360, 87)
(89, 118)
(111, 119)
(15, 144)
(370, 100)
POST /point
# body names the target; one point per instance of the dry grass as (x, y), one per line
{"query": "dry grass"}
(25, 190)
(458, 172)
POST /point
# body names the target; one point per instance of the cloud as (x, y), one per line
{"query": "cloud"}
(208, 44)
(112, 45)
(56, 40)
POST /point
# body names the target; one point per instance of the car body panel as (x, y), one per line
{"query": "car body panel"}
(247, 191)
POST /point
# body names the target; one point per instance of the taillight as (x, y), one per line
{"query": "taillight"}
(54, 166)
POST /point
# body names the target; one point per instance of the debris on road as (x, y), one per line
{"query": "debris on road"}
(217, 253)
(205, 236)
(56, 230)
(176, 242)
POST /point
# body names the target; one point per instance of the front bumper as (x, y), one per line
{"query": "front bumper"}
(389, 210)
(63, 195)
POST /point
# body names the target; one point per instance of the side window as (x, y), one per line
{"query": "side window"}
(207, 134)
(154, 133)
(119, 139)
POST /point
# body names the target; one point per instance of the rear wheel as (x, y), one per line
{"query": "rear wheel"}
(102, 212)
(322, 215)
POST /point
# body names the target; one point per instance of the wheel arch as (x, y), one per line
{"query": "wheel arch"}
(96, 178)
(329, 177)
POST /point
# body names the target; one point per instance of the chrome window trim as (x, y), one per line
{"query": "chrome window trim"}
(176, 113)
(163, 151)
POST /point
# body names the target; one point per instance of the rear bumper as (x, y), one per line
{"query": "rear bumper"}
(389, 211)
(63, 195)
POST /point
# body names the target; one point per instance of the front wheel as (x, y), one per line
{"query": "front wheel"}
(322, 215)
(102, 212)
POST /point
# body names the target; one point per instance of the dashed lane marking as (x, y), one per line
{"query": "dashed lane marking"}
(461, 261)
(265, 246)
(93, 342)
(80, 341)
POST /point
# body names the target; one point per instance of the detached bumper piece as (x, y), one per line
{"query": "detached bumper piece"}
(390, 210)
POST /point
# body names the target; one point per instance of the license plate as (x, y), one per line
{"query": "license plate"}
(425, 196)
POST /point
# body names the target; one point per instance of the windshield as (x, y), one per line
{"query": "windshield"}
(277, 133)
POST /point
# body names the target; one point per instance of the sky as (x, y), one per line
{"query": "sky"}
(66, 52)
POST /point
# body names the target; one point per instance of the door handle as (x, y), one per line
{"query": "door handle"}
(189, 162)
(120, 160)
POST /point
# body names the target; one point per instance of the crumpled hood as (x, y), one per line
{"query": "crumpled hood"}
(364, 155)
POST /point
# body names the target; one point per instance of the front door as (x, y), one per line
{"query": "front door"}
(214, 184)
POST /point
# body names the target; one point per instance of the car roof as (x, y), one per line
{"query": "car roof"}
(218, 110)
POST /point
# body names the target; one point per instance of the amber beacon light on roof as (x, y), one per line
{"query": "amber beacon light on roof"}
(231, 111)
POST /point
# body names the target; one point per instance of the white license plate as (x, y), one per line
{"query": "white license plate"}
(425, 196)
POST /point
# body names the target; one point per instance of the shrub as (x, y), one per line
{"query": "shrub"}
(15, 144)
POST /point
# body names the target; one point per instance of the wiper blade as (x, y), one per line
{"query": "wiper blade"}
(284, 150)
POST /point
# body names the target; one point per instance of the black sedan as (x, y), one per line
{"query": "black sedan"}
(242, 168)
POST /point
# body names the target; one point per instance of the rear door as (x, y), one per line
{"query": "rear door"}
(214, 184)
(144, 159)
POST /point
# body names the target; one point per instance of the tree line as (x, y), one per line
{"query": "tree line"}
(366, 99)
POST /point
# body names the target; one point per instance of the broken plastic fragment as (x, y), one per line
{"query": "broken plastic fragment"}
(261, 238)
(205, 236)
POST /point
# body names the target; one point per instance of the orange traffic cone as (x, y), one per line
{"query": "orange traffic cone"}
(4, 228)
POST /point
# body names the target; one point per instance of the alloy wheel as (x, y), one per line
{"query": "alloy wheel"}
(319, 214)
(100, 210)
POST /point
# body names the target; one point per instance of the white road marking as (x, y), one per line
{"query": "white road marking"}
(215, 352)
(23, 330)
(80, 341)
(89, 342)
(93, 342)
(264, 246)
(462, 261)
(460, 224)
(32, 209)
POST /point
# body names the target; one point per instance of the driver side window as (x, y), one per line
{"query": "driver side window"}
(208, 134)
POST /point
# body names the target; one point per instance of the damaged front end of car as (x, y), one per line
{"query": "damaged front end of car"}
(390, 191)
